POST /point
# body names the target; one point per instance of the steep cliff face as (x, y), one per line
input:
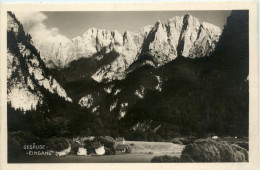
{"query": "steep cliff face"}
(181, 36)
(157, 45)
(199, 39)
(54, 55)
(184, 36)
(27, 73)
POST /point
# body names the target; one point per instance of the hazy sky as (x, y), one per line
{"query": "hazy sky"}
(62, 26)
(76, 23)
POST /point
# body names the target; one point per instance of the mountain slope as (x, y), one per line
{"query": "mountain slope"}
(27, 73)
(36, 103)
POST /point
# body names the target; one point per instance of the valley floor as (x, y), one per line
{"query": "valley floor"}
(143, 153)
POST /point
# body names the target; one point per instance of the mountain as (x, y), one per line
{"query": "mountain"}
(198, 96)
(173, 92)
(27, 74)
(37, 105)
(184, 36)
(179, 78)
(100, 57)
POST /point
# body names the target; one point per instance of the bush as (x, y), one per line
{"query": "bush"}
(91, 145)
(107, 141)
(74, 148)
(183, 140)
(165, 158)
(110, 151)
(57, 144)
(88, 146)
(176, 141)
(243, 145)
(129, 149)
(213, 151)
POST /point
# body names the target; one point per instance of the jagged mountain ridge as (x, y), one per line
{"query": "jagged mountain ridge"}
(187, 76)
(184, 36)
(157, 46)
(26, 73)
(211, 91)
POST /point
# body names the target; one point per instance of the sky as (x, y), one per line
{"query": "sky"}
(63, 26)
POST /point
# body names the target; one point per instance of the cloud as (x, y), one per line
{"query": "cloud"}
(33, 23)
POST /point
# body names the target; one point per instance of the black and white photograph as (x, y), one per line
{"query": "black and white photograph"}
(167, 86)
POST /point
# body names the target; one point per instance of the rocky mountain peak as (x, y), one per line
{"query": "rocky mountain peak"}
(186, 18)
(127, 35)
(159, 26)
(158, 22)
(183, 35)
